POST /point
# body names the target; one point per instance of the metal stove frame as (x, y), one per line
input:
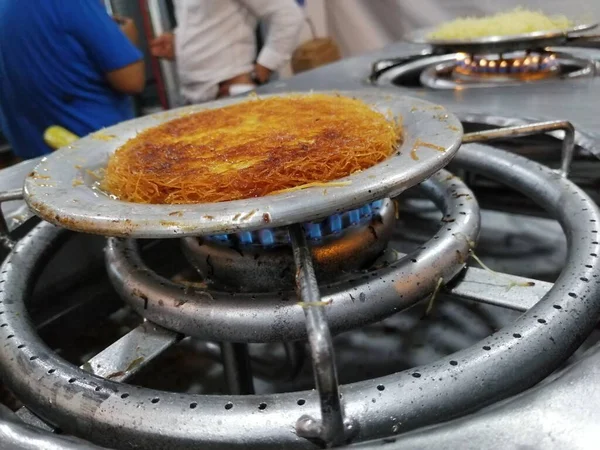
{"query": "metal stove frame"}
(273, 317)
(94, 401)
(262, 262)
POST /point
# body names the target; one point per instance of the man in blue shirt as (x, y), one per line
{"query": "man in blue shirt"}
(65, 63)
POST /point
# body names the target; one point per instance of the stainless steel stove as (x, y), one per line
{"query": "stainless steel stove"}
(536, 73)
(202, 343)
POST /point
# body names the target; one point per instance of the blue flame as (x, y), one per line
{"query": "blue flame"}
(315, 231)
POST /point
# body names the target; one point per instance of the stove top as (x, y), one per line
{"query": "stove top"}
(575, 100)
(138, 349)
(573, 94)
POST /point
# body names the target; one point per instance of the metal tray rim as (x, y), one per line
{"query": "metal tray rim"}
(419, 36)
(53, 190)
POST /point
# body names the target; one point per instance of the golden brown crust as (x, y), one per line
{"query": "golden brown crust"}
(250, 149)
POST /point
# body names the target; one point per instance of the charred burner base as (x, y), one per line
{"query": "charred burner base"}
(252, 265)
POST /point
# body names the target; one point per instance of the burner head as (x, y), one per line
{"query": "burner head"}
(316, 232)
(262, 261)
(461, 71)
(522, 66)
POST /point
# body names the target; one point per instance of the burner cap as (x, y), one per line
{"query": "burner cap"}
(262, 261)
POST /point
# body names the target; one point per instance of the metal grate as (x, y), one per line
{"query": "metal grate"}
(111, 412)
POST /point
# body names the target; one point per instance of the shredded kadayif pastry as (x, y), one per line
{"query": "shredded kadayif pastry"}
(517, 21)
(251, 149)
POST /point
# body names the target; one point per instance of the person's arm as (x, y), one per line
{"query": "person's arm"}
(106, 44)
(285, 19)
(128, 28)
(128, 80)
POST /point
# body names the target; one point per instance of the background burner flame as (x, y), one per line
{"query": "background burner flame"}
(518, 65)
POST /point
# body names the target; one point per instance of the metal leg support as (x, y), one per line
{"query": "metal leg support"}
(7, 196)
(568, 143)
(330, 429)
(238, 372)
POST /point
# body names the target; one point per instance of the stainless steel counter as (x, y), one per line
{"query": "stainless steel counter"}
(577, 101)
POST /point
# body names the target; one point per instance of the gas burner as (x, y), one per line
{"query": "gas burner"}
(261, 261)
(460, 70)
(316, 232)
(521, 66)
(114, 409)
(357, 298)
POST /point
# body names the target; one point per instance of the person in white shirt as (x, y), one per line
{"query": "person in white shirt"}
(214, 44)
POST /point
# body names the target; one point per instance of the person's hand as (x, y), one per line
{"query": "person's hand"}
(244, 79)
(262, 73)
(128, 28)
(163, 46)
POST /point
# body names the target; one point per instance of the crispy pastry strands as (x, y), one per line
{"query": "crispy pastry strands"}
(251, 149)
(509, 23)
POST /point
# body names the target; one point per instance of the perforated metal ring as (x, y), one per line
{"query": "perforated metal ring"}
(509, 361)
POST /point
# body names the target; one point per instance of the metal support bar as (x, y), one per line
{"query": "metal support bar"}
(568, 142)
(291, 367)
(380, 66)
(236, 365)
(121, 360)
(331, 427)
(31, 419)
(7, 196)
(127, 356)
(262, 368)
(495, 288)
(499, 289)
(585, 40)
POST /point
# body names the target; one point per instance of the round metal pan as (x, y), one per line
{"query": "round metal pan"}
(60, 189)
(500, 44)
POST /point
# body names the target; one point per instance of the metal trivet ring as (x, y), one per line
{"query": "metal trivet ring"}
(268, 317)
(511, 360)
